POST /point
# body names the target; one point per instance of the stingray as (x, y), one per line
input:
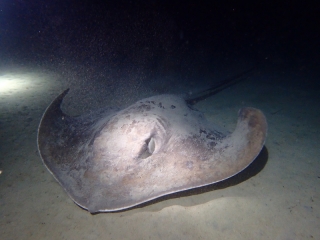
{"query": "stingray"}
(114, 159)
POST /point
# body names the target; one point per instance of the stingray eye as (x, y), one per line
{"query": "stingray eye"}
(147, 148)
(151, 145)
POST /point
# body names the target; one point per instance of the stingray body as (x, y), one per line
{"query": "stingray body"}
(115, 159)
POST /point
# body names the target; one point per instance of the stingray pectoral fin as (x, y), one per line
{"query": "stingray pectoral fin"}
(64, 144)
(240, 148)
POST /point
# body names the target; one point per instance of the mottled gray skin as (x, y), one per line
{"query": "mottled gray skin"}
(114, 159)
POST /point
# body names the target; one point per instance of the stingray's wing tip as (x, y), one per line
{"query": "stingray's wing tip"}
(240, 149)
(250, 134)
(51, 116)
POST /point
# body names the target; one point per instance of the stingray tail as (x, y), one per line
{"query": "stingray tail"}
(202, 95)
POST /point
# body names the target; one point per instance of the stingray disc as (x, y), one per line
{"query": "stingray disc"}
(114, 159)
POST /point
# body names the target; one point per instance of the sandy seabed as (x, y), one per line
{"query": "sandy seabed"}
(279, 201)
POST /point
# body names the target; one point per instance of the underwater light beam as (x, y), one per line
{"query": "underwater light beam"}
(10, 83)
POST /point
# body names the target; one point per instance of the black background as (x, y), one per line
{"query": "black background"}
(160, 37)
